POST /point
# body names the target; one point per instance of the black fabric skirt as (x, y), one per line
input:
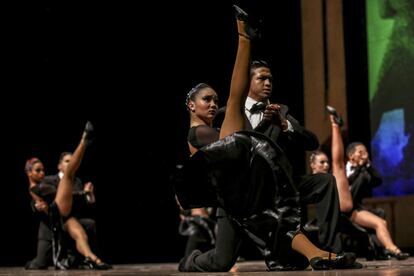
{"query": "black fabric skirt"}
(248, 176)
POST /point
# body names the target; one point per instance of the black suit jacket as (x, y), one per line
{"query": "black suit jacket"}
(362, 181)
(54, 180)
(300, 136)
(293, 144)
(80, 208)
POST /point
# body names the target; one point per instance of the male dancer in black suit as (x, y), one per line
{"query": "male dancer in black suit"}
(275, 122)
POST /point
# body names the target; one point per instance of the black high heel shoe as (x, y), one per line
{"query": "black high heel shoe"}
(88, 131)
(337, 118)
(399, 255)
(94, 264)
(344, 260)
(241, 15)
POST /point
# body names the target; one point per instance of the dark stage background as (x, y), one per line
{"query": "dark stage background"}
(127, 68)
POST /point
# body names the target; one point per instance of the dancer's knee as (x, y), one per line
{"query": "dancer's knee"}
(224, 263)
(346, 206)
(64, 209)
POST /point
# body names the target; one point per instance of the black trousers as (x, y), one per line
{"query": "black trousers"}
(225, 254)
(43, 257)
(321, 190)
(200, 232)
(229, 240)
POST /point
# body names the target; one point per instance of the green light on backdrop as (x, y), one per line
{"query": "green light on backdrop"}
(378, 31)
(390, 44)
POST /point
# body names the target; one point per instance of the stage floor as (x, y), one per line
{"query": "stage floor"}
(257, 268)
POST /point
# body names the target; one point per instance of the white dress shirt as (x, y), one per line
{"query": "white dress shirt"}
(349, 169)
(254, 118)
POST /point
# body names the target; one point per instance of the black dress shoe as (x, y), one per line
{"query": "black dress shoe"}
(337, 118)
(398, 255)
(356, 265)
(277, 266)
(243, 16)
(344, 260)
(32, 265)
(187, 263)
(283, 268)
(96, 265)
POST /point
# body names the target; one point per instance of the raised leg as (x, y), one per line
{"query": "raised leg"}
(338, 167)
(239, 87)
(64, 198)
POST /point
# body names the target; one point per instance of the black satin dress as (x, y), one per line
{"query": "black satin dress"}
(55, 222)
(248, 176)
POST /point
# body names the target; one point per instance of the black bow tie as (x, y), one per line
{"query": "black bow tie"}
(258, 107)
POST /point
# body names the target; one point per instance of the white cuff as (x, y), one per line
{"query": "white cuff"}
(289, 128)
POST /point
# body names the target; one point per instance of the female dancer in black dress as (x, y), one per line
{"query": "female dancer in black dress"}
(319, 163)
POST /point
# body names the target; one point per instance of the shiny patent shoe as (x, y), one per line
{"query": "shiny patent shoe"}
(187, 263)
(277, 265)
(96, 264)
(396, 253)
(88, 132)
(241, 15)
(344, 260)
(337, 118)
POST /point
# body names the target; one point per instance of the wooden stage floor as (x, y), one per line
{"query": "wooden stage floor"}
(257, 268)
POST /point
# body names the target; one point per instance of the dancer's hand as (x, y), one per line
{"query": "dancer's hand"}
(272, 113)
(88, 187)
(41, 205)
(364, 161)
